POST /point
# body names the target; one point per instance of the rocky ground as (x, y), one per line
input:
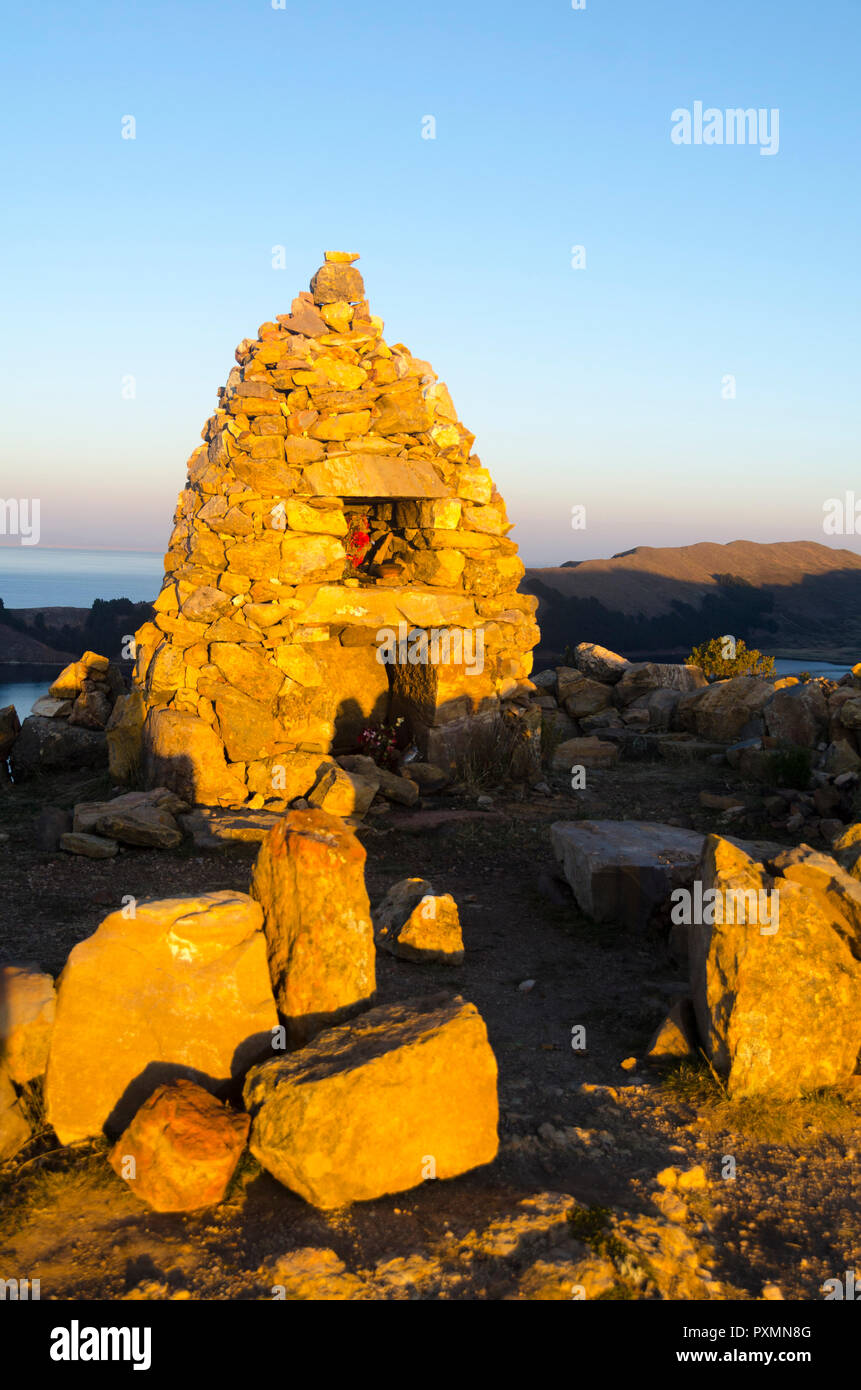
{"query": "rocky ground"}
(574, 1124)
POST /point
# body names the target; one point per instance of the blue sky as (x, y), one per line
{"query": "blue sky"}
(301, 127)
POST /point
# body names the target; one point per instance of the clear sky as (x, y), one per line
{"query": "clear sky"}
(302, 127)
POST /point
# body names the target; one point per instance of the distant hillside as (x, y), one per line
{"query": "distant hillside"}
(34, 635)
(791, 597)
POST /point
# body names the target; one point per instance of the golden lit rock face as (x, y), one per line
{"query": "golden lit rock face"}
(181, 1149)
(310, 881)
(336, 483)
(779, 1011)
(403, 1093)
(181, 988)
(27, 1007)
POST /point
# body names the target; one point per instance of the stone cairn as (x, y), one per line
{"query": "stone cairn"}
(335, 498)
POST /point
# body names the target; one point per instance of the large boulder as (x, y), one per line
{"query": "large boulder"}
(27, 1007)
(310, 881)
(797, 714)
(727, 710)
(643, 676)
(599, 662)
(179, 989)
(181, 1149)
(404, 1093)
(621, 871)
(55, 745)
(777, 996)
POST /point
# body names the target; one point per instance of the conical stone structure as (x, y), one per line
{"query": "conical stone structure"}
(339, 557)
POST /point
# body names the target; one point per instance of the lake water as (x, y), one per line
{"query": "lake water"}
(32, 577)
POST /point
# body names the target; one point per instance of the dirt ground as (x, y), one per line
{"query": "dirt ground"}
(791, 1216)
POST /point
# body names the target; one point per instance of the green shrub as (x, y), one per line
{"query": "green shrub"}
(746, 661)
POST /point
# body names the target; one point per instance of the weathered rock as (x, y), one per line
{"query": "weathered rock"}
(427, 776)
(91, 710)
(211, 828)
(309, 879)
(797, 714)
(415, 923)
(15, 1128)
(404, 1093)
(779, 1010)
(90, 846)
(600, 663)
(586, 697)
(432, 932)
(341, 793)
(727, 710)
(585, 752)
(643, 676)
(180, 989)
(393, 788)
(660, 706)
(620, 871)
(70, 682)
(27, 1005)
(315, 1275)
(676, 1036)
(10, 727)
(393, 910)
(181, 1149)
(49, 745)
(137, 818)
(52, 709)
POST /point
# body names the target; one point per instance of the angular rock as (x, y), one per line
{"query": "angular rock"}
(27, 1006)
(643, 676)
(150, 826)
(797, 714)
(405, 1092)
(180, 989)
(181, 1149)
(89, 846)
(52, 745)
(727, 708)
(585, 697)
(309, 879)
(432, 932)
(600, 663)
(676, 1036)
(52, 709)
(341, 793)
(779, 1011)
(621, 871)
(15, 1128)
